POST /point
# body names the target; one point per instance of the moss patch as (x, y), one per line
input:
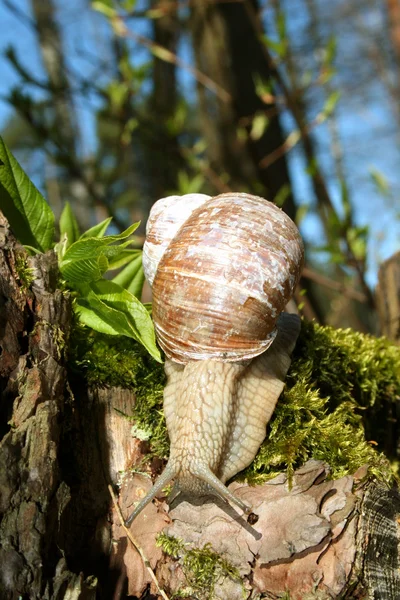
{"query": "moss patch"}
(335, 405)
(202, 567)
(340, 390)
(24, 272)
(116, 361)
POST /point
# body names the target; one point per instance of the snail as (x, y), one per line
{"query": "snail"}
(222, 270)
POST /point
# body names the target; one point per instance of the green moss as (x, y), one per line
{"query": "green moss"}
(336, 406)
(24, 272)
(117, 361)
(171, 545)
(202, 567)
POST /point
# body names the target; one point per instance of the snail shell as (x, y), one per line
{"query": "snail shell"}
(222, 269)
(166, 217)
(222, 278)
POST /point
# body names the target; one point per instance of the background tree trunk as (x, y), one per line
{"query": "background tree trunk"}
(388, 298)
(228, 51)
(163, 146)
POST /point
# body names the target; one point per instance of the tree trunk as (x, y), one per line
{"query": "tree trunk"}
(166, 160)
(228, 50)
(62, 444)
(55, 67)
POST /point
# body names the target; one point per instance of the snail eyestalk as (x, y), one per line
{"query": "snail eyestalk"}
(221, 490)
(203, 473)
(164, 479)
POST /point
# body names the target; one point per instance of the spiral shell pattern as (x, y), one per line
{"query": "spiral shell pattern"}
(166, 217)
(224, 278)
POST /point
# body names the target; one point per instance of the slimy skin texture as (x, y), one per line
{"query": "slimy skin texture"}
(217, 413)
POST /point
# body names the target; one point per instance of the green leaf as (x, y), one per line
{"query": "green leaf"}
(330, 51)
(88, 259)
(301, 213)
(281, 25)
(106, 7)
(331, 103)
(69, 225)
(346, 201)
(128, 5)
(282, 195)
(280, 47)
(26, 210)
(312, 167)
(61, 247)
(380, 181)
(130, 126)
(132, 277)
(148, 306)
(258, 126)
(357, 238)
(187, 185)
(110, 309)
(84, 270)
(117, 92)
(136, 285)
(263, 89)
(119, 299)
(126, 256)
(98, 316)
(98, 230)
(359, 248)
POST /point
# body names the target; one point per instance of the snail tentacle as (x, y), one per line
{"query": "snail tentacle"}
(206, 475)
(165, 478)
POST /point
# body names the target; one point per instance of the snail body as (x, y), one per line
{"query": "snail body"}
(220, 282)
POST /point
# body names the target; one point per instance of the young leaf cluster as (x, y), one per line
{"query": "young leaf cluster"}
(108, 306)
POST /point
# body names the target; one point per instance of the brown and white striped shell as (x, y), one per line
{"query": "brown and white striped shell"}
(166, 217)
(222, 270)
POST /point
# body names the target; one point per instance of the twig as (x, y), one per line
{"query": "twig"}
(136, 545)
(164, 54)
(334, 285)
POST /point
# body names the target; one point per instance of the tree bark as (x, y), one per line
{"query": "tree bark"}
(35, 319)
(62, 444)
(388, 297)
